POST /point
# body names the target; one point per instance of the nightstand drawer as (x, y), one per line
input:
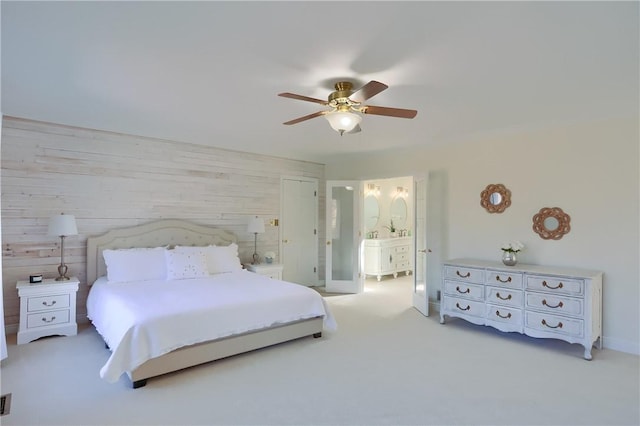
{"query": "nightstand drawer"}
(47, 318)
(46, 303)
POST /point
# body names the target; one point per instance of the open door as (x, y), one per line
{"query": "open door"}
(420, 293)
(344, 237)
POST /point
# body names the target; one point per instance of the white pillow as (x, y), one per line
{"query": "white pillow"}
(223, 259)
(185, 264)
(137, 264)
(220, 259)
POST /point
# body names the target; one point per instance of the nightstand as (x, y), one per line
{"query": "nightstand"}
(271, 270)
(47, 309)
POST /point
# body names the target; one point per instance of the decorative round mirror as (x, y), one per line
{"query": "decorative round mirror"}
(551, 223)
(399, 212)
(371, 212)
(495, 198)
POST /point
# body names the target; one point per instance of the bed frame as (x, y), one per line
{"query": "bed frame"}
(173, 232)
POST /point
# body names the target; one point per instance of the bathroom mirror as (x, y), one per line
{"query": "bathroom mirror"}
(495, 198)
(399, 212)
(371, 212)
(551, 223)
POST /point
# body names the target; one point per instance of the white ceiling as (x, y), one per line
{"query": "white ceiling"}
(210, 72)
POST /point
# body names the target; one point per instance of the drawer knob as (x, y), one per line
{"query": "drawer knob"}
(460, 291)
(463, 309)
(45, 303)
(544, 284)
(551, 326)
(508, 280)
(503, 298)
(503, 316)
(559, 305)
(467, 275)
(46, 320)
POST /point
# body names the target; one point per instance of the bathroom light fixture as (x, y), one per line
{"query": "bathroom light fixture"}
(343, 121)
(62, 226)
(255, 226)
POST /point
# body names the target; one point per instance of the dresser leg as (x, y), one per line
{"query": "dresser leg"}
(587, 354)
(139, 383)
(441, 319)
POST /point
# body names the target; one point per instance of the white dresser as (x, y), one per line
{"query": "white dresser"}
(539, 301)
(387, 256)
(47, 309)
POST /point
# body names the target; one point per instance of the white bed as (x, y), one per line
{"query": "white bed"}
(158, 326)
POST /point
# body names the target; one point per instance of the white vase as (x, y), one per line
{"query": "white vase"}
(509, 258)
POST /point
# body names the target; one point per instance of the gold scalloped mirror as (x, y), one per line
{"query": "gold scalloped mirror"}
(495, 198)
(551, 223)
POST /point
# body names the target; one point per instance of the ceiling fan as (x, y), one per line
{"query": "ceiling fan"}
(346, 103)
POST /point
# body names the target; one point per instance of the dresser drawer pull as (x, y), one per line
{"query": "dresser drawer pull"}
(559, 305)
(508, 280)
(505, 316)
(467, 275)
(544, 284)
(463, 292)
(53, 302)
(503, 298)
(46, 320)
(463, 309)
(551, 326)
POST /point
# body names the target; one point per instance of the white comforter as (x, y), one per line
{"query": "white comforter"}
(144, 320)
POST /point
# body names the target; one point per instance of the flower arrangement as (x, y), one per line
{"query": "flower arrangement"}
(269, 256)
(391, 226)
(512, 247)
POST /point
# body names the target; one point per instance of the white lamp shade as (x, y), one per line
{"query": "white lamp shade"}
(62, 225)
(342, 121)
(256, 225)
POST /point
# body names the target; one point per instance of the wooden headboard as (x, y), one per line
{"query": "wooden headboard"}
(169, 232)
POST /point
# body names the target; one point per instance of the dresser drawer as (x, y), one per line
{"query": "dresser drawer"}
(504, 296)
(555, 285)
(554, 324)
(402, 249)
(504, 279)
(463, 306)
(504, 314)
(46, 303)
(459, 273)
(555, 303)
(456, 288)
(47, 318)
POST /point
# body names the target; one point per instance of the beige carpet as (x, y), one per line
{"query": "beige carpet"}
(385, 365)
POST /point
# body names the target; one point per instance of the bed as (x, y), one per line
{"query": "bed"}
(181, 317)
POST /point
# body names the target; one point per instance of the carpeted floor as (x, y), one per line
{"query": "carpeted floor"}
(385, 365)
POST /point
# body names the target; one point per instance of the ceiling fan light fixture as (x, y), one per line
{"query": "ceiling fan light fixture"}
(343, 121)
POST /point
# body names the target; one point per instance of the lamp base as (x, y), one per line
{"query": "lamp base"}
(62, 272)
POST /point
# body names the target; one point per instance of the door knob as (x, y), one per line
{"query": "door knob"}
(328, 243)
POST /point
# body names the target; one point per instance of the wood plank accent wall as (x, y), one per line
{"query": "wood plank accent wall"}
(111, 180)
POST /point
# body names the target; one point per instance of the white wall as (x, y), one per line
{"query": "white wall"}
(591, 171)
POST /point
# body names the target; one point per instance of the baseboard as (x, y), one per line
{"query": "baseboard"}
(621, 345)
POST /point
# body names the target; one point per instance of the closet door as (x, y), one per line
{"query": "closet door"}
(298, 230)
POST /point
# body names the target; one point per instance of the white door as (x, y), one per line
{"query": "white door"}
(298, 230)
(344, 237)
(420, 293)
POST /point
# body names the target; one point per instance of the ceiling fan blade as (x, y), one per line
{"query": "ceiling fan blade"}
(302, 98)
(305, 118)
(367, 91)
(390, 112)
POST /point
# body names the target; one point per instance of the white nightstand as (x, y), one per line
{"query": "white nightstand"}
(271, 270)
(47, 309)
